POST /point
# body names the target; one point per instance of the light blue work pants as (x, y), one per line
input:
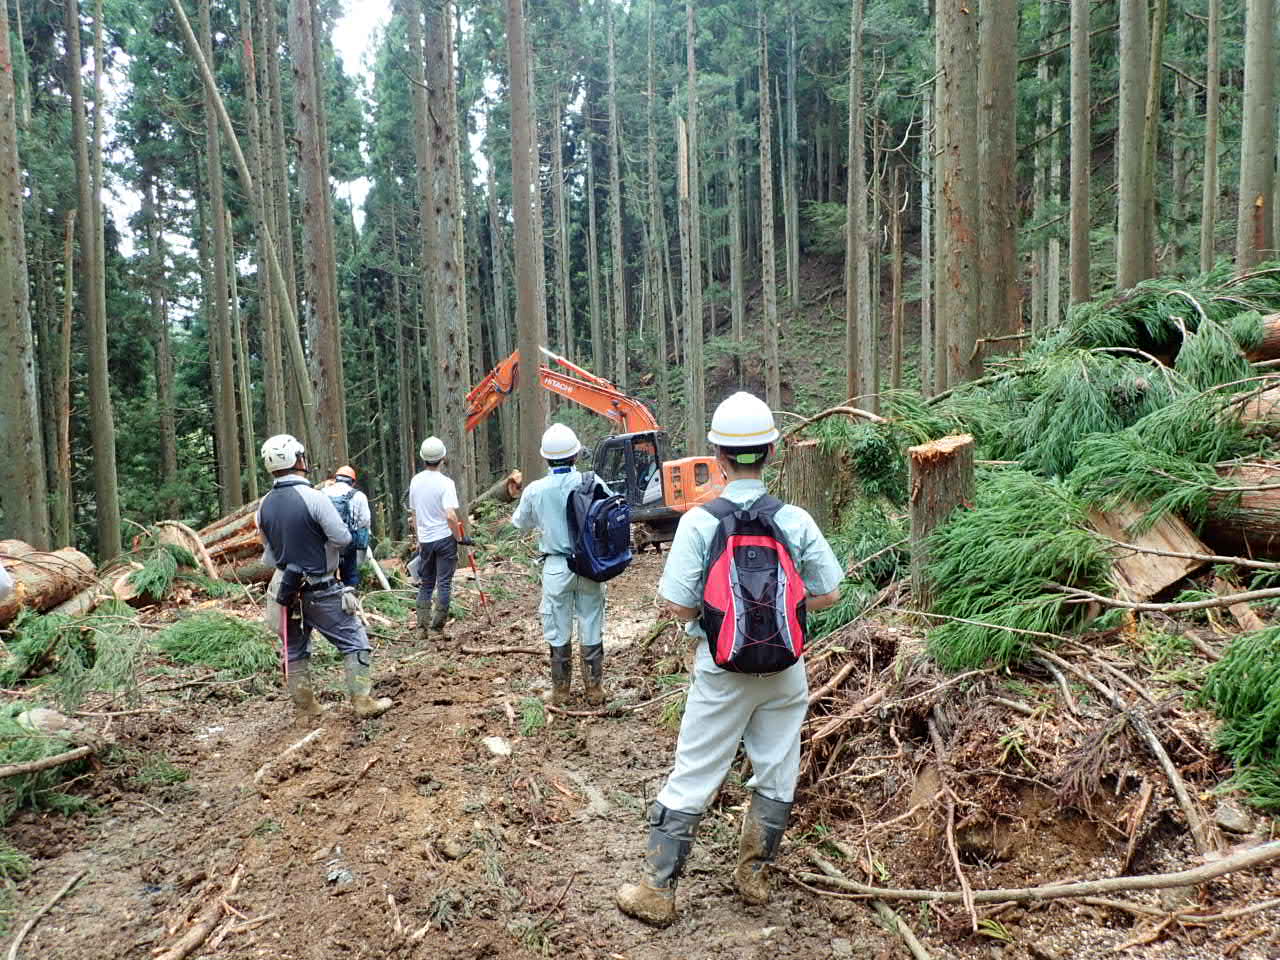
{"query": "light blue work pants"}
(566, 596)
(764, 712)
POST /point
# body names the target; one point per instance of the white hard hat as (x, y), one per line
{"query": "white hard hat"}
(432, 450)
(281, 452)
(559, 443)
(742, 420)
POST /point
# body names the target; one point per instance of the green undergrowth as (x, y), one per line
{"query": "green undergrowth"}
(871, 543)
(1243, 688)
(996, 563)
(159, 571)
(70, 656)
(236, 648)
(19, 743)
(396, 604)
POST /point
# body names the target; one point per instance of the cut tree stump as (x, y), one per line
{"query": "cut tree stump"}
(816, 481)
(1140, 576)
(941, 479)
(42, 580)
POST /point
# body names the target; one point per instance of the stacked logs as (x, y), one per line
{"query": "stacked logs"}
(232, 547)
(42, 580)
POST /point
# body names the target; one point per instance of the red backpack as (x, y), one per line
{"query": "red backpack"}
(753, 599)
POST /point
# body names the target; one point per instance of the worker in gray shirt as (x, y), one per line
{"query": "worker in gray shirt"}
(303, 537)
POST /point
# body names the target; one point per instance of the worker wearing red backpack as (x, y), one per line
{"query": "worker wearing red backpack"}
(743, 573)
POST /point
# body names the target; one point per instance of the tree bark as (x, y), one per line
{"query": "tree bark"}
(693, 429)
(928, 358)
(222, 374)
(697, 398)
(656, 237)
(772, 358)
(896, 304)
(816, 480)
(997, 165)
(156, 248)
(560, 225)
(63, 499)
(101, 417)
(791, 185)
(1258, 137)
(533, 405)
(737, 296)
(23, 490)
(240, 342)
(1081, 153)
(1213, 86)
(317, 242)
(1131, 239)
(616, 254)
(1151, 130)
(41, 580)
(955, 103)
(942, 479)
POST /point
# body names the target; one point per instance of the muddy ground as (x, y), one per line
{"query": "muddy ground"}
(410, 836)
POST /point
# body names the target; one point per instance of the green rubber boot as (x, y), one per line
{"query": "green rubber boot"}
(653, 899)
(305, 705)
(762, 829)
(359, 685)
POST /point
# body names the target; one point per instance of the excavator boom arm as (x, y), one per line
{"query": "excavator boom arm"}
(579, 385)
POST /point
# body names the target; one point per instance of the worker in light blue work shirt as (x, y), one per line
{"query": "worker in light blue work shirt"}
(565, 595)
(764, 712)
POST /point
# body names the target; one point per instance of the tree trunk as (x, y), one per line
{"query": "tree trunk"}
(222, 374)
(43, 580)
(791, 185)
(1081, 153)
(156, 248)
(1131, 240)
(1258, 137)
(1250, 525)
(63, 500)
(955, 101)
(452, 350)
(560, 226)
(737, 296)
(1053, 259)
(817, 481)
(942, 479)
(317, 241)
(22, 475)
(616, 254)
(772, 361)
(693, 429)
(510, 443)
(240, 342)
(655, 237)
(856, 313)
(697, 398)
(1151, 131)
(896, 305)
(533, 406)
(101, 417)
(928, 360)
(997, 165)
(1213, 86)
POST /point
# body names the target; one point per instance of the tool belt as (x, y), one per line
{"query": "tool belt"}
(309, 585)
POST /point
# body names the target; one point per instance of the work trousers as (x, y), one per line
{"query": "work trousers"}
(321, 610)
(437, 562)
(566, 597)
(349, 567)
(764, 712)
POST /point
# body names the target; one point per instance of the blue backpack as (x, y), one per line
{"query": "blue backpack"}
(600, 524)
(359, 535)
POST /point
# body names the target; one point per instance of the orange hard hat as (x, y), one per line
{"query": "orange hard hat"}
(347, 471)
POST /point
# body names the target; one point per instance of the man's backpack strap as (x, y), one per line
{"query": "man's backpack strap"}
(720, 507)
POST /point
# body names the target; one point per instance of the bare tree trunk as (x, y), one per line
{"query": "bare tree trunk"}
(240, 340)
(955, 100)
(1213, 86)
(101, 418)
(617, 257)
(160, 338)
(772, 362)
(997, 165)
(1258, 142)
(501, 317)
(1131, 241)
(661, 360)
(1081, 152)
(317, 240)
(533, 406)
(693, 428)
(564, 305)
(598, 352)
(22, 469)
(222, 374)
(63, 500)
(452, 349)
(737, 296)
(697, 398)
(928, 361)
(1151, 131)
(410, 429)
(791, 185)
(1053, 260)
(896, 305)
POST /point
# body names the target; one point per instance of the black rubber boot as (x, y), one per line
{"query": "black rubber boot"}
(762, 828)
(440, 619)
(653, 899)
(561, 674)
(424, 620)
(593, 674)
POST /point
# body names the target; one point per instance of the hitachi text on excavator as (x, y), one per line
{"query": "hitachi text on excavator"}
(634, 462)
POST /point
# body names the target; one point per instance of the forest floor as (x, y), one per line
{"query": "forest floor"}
(418, 835)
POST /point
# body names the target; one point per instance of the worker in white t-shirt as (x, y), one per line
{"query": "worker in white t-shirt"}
(433, 498)
(6, 583)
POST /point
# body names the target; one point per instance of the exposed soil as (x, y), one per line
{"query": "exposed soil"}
(409, 837)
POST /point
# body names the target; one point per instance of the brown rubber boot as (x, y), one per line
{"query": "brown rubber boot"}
(561, 674)
(440, 619)
(305, 705)
(359, 685)
(653, 899)
(762, 829)
(424, 621)
(593, 674)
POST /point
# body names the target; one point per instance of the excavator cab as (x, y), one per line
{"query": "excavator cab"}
(658, 489)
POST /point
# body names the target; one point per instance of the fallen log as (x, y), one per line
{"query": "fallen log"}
(180, 535)
(1268, 348)
(1141, 575)
(1247, 522)
(42, 580)
(251, 571)
(232, 523)
(83, 602)
(504, 490)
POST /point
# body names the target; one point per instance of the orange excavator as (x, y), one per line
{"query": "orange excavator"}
(633, 462)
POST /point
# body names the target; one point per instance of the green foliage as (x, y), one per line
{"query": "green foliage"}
(21, 744)
(160, 569)
(157, 771)
(826, 222)
(235, 647)
(1211, 356)
(397, 604)
(533, 716)
(100, 651)
(1244, 690)
(995, 563)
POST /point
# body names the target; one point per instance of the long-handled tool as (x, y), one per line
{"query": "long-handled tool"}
(484, 600)
(284, 641)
